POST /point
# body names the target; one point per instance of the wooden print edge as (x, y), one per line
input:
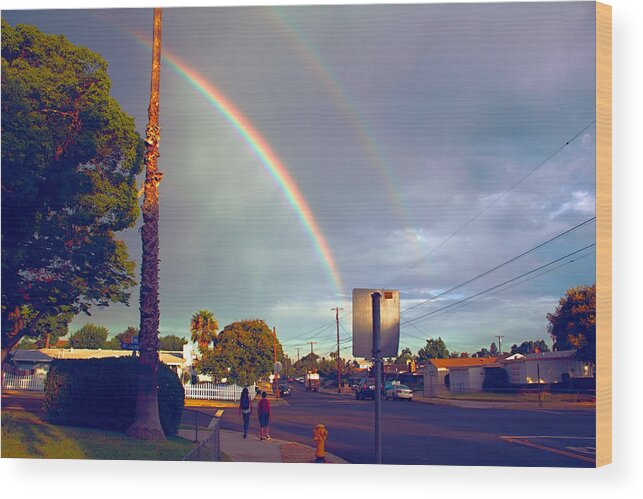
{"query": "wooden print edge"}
(603, 234)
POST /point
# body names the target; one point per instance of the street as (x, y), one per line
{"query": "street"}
(420, 433)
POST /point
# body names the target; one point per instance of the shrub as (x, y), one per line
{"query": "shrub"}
(101, 393)
(495, 379)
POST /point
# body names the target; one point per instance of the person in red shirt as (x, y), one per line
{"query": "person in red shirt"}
(263, 409)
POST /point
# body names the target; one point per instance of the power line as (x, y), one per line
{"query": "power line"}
(502, 264)
(501, 196)
(323, 327)
(512, 286)
(498, 285)
(491, 294)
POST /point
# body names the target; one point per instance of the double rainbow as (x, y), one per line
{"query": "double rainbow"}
(263, 151)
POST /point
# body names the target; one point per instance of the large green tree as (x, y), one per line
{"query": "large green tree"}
(434, 349)
(89, 336)
(70, 157)
(243, 353)
(573, 324)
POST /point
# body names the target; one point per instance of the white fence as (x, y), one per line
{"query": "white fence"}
(28, 382)
(211, 391)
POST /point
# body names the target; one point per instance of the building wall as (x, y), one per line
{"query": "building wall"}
(434, 386)
(459, 380)
(552, 370)
(515, 372)
(465, 380)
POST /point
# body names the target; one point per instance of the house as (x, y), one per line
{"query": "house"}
(437, 370)
(40, 360)
(33, 361)
(553, 367)
(468, 378)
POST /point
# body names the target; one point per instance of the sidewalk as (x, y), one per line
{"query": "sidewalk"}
(252, 450)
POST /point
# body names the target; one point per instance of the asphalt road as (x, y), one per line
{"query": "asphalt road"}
(418, 433)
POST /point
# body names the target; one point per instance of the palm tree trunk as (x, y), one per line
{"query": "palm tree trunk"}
(146, 423)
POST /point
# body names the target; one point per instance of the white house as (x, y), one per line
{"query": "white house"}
(554, 367)
(437, 370)
(466, 378)
(40, 360)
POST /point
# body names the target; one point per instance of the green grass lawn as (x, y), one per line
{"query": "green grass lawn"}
(24, 435)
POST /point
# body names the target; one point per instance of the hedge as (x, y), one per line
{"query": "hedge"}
(101, 393)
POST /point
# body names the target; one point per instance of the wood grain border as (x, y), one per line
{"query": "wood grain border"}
(603, 234)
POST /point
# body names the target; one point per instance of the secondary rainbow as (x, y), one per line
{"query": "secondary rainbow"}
(263, 151)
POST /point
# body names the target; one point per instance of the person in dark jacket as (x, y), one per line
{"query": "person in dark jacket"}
(245, 409)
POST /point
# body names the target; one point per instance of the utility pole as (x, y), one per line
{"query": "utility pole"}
(297, 354)
(499, 344)
(339, 374)
(274, 347)
(311, 346)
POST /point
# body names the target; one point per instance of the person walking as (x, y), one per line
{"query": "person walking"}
(263, 409)
(245, 409)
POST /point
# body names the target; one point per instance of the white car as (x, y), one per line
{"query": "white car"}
(399, 392)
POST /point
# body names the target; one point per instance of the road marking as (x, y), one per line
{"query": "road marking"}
(521, 441)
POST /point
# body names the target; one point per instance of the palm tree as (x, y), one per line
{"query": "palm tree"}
(203, 327)
(147, 424)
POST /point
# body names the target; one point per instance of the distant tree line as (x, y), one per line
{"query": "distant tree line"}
(94, 337)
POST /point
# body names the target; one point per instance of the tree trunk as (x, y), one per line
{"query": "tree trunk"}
(146, 423)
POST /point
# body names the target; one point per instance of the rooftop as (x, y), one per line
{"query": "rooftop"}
(467, 362)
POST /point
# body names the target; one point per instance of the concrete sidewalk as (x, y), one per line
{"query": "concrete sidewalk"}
(252, 450)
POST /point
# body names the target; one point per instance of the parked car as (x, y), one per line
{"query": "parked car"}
(399, 392)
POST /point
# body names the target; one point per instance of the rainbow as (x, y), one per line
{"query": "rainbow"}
(263, 151)
(324, 75)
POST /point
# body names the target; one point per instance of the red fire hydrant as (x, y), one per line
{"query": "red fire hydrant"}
(320, 434)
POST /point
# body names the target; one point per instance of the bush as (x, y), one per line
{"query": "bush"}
(101, 393)
(495, 379)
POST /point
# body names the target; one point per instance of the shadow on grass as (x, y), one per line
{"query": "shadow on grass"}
(24, 435)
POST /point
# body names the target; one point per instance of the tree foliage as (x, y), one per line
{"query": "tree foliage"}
(126, 336)
(70, 157)
(434, 349)
(89, 336)
(307, 363)
(527, 347)
(203, 327)
(405, 356)
(172, 343)
(573, 324)
(242, 354)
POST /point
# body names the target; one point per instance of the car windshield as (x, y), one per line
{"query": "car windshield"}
(402, 387)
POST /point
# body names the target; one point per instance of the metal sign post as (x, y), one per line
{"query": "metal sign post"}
(378, 376)
(376, 334)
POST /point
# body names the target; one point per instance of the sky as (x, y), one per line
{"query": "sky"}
(310, 150)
